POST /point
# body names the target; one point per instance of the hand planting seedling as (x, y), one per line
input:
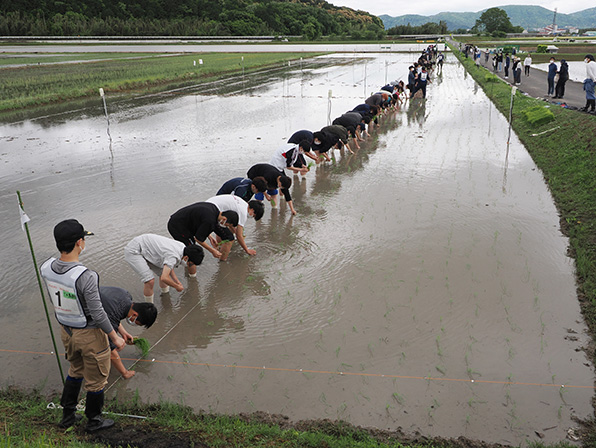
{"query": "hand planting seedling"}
(143, 345)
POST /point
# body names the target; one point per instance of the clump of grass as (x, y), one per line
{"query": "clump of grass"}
(143, 345)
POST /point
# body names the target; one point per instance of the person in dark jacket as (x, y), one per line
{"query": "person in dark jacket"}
(563, 77)
(243, 188)
(353, 123)
(552, 72)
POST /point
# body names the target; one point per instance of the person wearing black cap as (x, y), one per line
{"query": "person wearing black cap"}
(229, 202)
(119, 306)
(589, 83)
(276, 179)
(149, 255)
(74, 292)
(194, 223)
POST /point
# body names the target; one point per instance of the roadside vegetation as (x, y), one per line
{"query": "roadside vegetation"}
(36, 85)
(564, 149)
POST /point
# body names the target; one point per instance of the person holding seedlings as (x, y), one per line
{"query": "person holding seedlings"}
(323, 141)
(118, 304)
(229, 202)
(340, 135)
(149, 255)
(291, 156)
(194, 223)
(243, 188)
(302, 135)
(353, 124)
(74, 292)
(276, 179)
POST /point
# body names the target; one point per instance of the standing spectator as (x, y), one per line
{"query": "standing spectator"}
(527, 63)
(74, 291)
(507, 64)
(500, 61)
(589, 84)
(563, 77)
(552, 71)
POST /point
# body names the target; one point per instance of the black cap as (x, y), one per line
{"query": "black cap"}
(590, 57)
(69, 231)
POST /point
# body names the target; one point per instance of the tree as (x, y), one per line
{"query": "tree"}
(493, 19)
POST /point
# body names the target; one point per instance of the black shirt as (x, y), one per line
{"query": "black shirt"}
(270, 173)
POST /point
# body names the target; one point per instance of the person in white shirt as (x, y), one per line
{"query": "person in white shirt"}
(291, 156)
(589, 84)
(527, 63)
(151, 255)
(230, 202)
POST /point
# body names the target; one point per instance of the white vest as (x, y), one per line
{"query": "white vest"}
(63, 293)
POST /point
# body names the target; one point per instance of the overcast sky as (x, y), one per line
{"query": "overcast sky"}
(429, 7)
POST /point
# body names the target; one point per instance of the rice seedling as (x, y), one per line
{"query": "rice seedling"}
(143, 345)
(337, 352)
(562, 391)
(399, 398)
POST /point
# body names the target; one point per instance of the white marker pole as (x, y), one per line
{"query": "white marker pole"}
(105, 108)
(329, 96)
(513, 90)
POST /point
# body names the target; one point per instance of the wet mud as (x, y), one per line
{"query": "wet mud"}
(423, 285)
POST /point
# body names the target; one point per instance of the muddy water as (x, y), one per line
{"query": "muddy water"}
(428, 268)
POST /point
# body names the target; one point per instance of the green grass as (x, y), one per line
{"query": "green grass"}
(48, 58)
(27, 423)
(51, 83)
(566, 155)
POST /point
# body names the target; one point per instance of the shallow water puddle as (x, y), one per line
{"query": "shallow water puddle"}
(424, 283)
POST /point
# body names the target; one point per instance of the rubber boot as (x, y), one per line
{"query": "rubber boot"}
(93, 412)
(69, 400)
(592, 105)
(585, 108)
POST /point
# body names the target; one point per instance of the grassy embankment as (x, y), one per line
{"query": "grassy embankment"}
(565, 151)
(27, 423)
(570, 51)
(37, 85)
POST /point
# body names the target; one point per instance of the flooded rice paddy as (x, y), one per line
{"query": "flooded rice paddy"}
(423, 284)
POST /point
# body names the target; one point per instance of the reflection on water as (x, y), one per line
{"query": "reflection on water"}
(416, 257)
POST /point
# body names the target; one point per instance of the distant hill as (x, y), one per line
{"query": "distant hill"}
(527, 16)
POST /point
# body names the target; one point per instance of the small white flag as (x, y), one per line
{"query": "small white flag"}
(24, 218)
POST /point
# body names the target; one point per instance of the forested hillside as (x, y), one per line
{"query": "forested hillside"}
(310, 18)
